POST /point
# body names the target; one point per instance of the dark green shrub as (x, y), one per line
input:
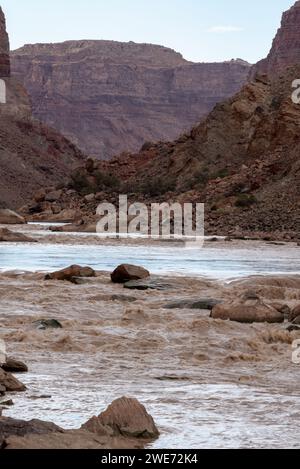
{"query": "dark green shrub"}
(245, 200)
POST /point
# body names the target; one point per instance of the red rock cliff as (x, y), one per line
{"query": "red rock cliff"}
(285, 50)
(109, 97)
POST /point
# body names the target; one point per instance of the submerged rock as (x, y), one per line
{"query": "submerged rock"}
(70, 272)
(151, 284)
(43, 324)
(126, 272)
(124, 298)
(208, 304)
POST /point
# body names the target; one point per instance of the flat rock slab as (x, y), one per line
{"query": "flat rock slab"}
(204, 303)
(150, 284)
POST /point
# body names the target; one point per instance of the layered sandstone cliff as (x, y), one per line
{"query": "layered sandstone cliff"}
(31, 155)
(109, 97)
(285, 50)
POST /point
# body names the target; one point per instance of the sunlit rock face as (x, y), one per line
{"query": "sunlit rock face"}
(285, 51)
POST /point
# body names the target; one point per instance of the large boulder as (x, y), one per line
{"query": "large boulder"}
(125, 417)
(70, 272)
(10, 383)
(8, 217)
(126, 272)
(248, 309)
(124, 425)
(10, 237)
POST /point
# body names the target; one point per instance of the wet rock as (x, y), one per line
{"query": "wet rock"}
(126, 272)
(8, 217)
(248, 309)
(294, 313)
(208, 304)
(124, 298)
(10, 383)
(150, 284)
(11, 237)
(125, 424)
(43, 324)
(125, 417)
(14, 366)
(7, 403)
(70, 272)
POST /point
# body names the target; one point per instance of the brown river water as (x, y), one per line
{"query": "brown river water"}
(207, 383)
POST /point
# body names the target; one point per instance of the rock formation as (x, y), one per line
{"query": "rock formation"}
(124, 424)
(108, 97)
(4, 48)
(285, 50)
(31, 154)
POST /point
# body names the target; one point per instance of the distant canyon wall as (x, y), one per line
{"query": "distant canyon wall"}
(109, 97)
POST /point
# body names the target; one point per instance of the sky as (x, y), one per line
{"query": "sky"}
(201, 30)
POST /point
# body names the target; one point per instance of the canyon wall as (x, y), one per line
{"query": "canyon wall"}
(108, 97)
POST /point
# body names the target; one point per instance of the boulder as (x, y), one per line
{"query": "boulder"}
(10, 383)
(70, 272)
(248, 309)
(11, 237)
(14, 366)
(126, 272)
(8, 217)
(294, 313)
(124, 425)
(43, 324)
(125, 417)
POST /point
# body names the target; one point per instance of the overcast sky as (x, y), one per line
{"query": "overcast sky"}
(202, 30)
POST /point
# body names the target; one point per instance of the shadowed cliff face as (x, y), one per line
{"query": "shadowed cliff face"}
(4, 48)
(109, 97)
(31, 155)
(285, 50)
